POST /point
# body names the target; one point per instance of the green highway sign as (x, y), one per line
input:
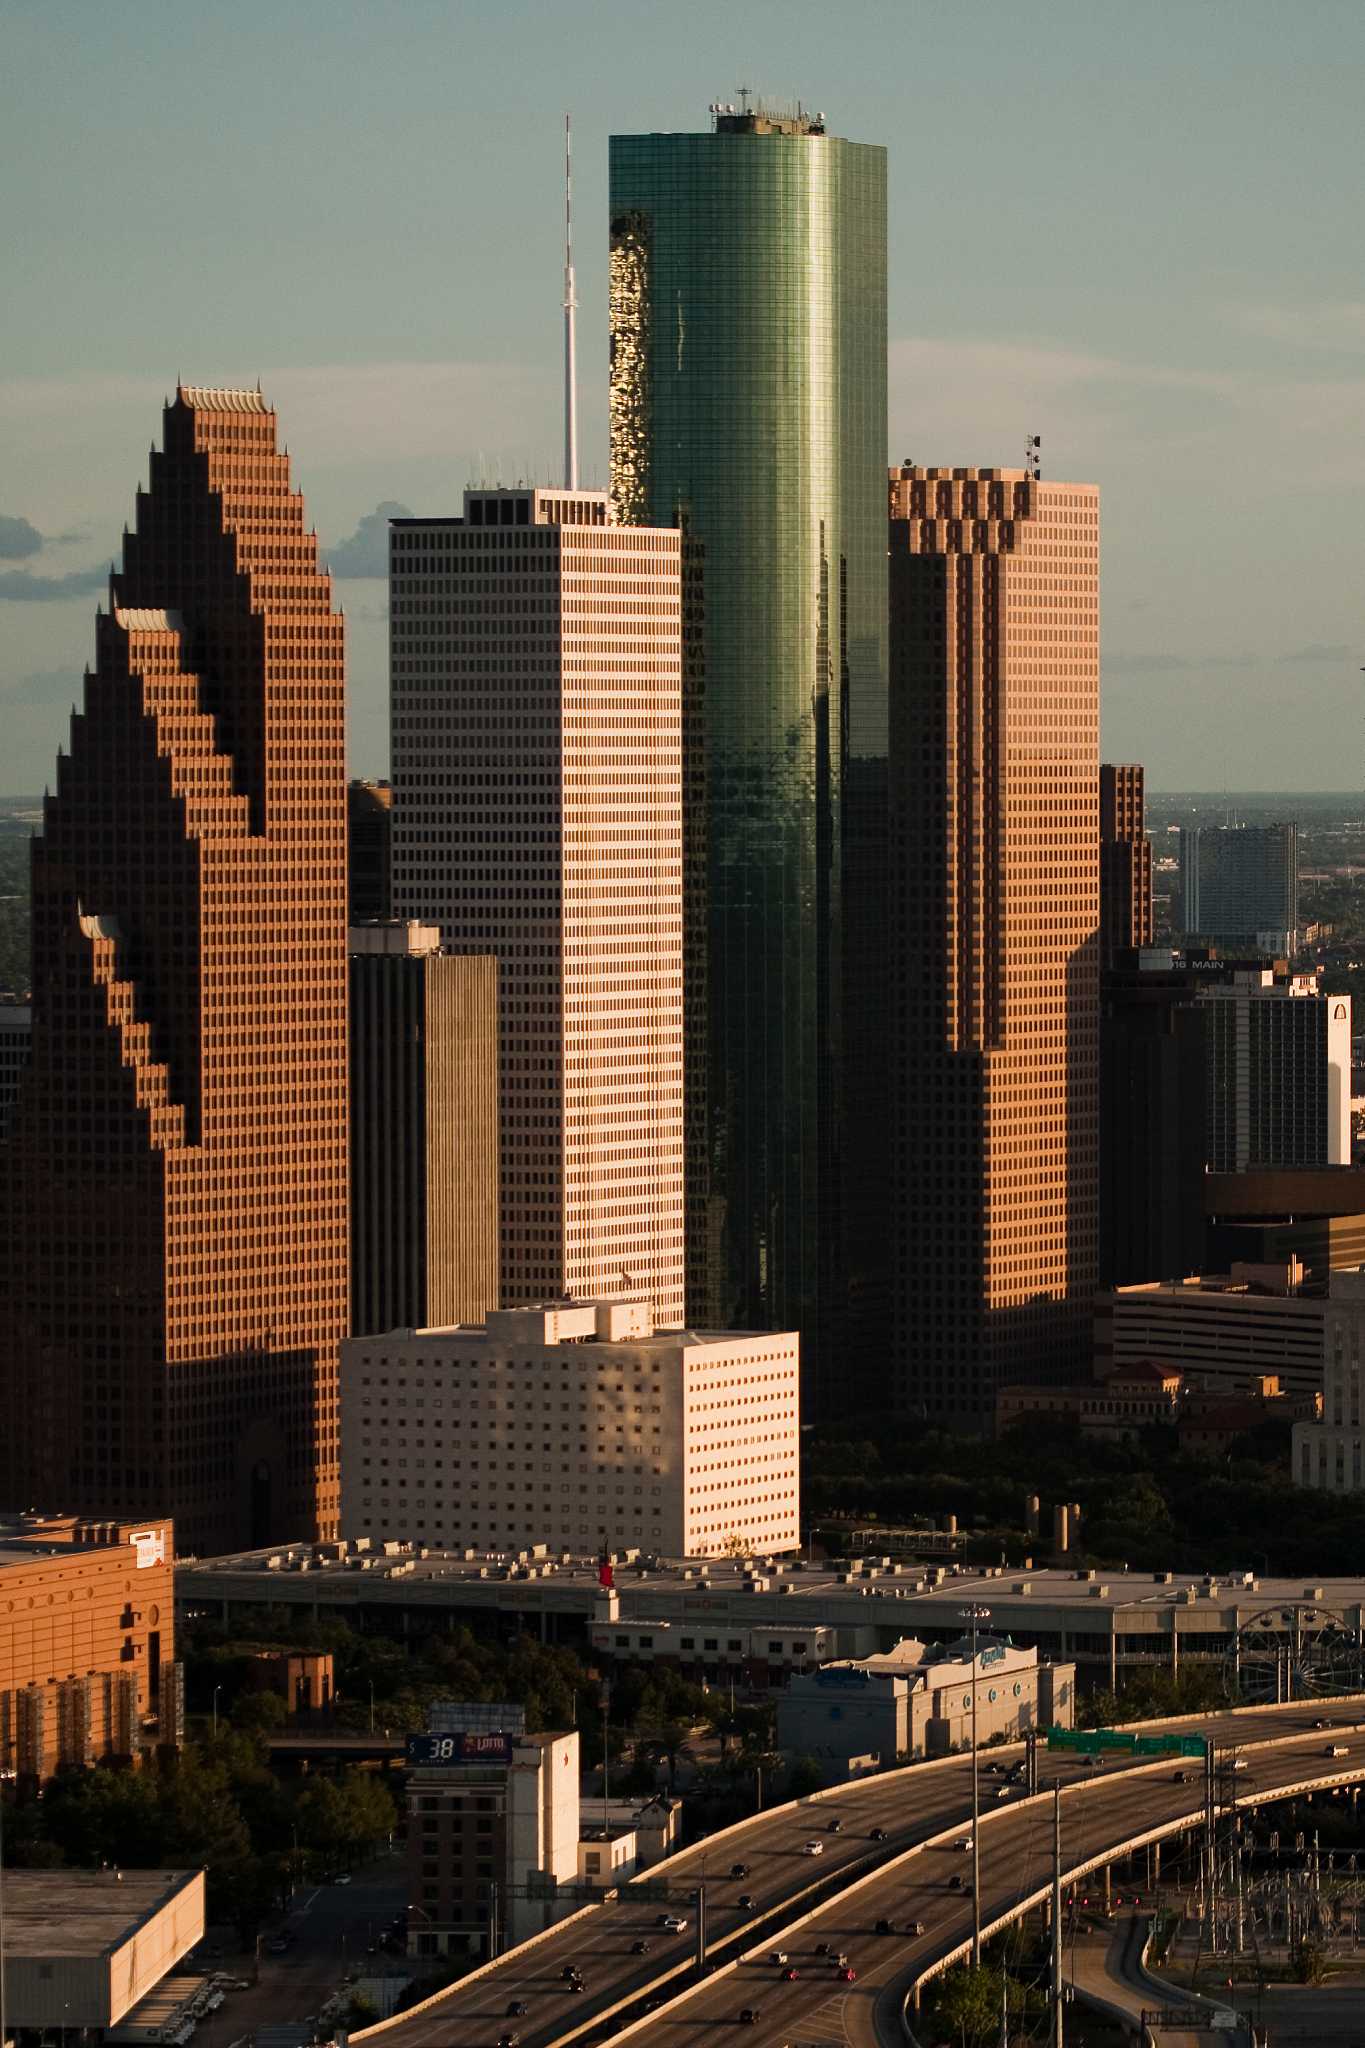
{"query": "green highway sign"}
(1118, 1742)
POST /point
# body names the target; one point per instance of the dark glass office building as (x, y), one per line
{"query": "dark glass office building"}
(748, 399)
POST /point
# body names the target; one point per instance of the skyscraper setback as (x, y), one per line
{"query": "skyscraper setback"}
(537, 777)
(1126, 917)
(748, 398)
(174, 1188)
(995, 726)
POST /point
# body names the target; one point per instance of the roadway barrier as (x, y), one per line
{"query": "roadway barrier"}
(1253, 1796)
(397, 2019)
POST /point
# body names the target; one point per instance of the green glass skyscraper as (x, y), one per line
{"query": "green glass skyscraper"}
(748, 399)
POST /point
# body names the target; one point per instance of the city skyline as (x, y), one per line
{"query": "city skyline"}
(1149, 294)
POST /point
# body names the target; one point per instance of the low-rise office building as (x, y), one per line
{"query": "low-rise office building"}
(1104, 1622)
(87, 1642)
(570, 1425)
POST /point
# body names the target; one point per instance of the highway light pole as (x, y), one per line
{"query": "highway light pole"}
(976, 1615)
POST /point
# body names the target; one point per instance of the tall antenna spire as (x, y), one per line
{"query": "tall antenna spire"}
(570, 308)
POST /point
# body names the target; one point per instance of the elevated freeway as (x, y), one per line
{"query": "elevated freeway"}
(906, 1878)
(1110, 1815)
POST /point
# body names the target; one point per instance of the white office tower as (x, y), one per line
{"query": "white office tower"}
(537, 805)
(573, 1426)
(1329, 1454)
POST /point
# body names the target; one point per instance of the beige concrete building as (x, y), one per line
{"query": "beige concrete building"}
(868, 1713)
(994, 587)
(84, 1947)
(424, 1129)
(1221, 1332)
(573, 1425)
(537, 774)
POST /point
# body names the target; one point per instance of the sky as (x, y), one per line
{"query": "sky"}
(1129, 226)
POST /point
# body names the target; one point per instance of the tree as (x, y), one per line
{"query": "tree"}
(804, 1777)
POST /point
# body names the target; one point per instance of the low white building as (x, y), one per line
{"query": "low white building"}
(1330, 1455)
(82, 1948)
(865, 1714)
(576, 1425)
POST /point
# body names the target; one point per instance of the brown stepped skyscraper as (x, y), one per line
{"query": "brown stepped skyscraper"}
(174, 1191)
(994, 582)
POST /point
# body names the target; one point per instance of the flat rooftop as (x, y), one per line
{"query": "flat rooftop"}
(75, 1913)
(804, 1592)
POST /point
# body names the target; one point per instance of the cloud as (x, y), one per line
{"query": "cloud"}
(1318, 651)
(1317, 324)
(18, 539)
(23, 587)
(366, 553)
(54, 687)
(1154, 664)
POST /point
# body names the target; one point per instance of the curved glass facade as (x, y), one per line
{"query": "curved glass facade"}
(748, 398)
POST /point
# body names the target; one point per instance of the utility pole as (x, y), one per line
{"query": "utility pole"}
(975, 1615)
(1056, 1916)
(1209, 1873)
(604, 1702)
(701, 1931)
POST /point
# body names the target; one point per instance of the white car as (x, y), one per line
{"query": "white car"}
(814, 1847)
(963, 1842)
(675, 1924)
(779, 1955)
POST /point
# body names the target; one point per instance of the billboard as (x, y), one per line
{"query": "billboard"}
(485, 1747)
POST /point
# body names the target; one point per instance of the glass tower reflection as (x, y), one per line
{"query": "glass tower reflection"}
(748, 399)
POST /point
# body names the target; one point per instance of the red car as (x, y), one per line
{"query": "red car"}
(790, 1974)
(847, 1975)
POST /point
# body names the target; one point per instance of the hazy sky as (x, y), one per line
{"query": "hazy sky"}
(1130, 226)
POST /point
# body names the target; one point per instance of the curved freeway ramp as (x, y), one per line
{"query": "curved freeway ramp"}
(907, 1875)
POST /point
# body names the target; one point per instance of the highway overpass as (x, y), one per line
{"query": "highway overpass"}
(907, 1878)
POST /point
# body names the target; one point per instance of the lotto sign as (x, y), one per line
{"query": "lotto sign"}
(426, 1750)
(149, 1546)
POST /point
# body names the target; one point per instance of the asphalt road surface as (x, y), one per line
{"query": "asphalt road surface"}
(1016, 1859)
(909, 1806)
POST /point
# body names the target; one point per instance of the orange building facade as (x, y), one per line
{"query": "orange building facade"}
(175, 1186)
(1126, 910)
(994, 593)
(87, 1642)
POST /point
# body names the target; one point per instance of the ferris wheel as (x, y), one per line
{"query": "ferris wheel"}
(1294, 1651)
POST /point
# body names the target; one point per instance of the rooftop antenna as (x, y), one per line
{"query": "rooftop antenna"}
(570, 308)
(1033, 457)
(746, 93)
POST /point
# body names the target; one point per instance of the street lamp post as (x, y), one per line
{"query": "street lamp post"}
(976, 1615)
(216, 1690)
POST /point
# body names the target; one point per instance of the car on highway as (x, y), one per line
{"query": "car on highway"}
(517, 2009)
(914, 1927)
(1335, 1749)
(1319, 1723)
(877, 1835)
(836, 1826)
(672, 1923)
(847, 1974)
(343, 1877)
(790, 1974)
(509, 2041)
(639, 1948)
(739, 1870)
(748, 2015)
(1239, 1763)
(569, 1971)
(1181, 1777)
(883, 1927)
(814, 1847)
(779, 1955)
(963, 1842)
(745, 1902)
